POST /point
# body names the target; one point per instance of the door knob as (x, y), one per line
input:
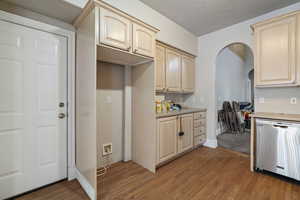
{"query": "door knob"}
(61, 115)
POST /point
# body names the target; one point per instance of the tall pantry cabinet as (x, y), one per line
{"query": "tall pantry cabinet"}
(106, 34)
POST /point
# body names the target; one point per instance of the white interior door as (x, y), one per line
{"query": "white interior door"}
(33, 83)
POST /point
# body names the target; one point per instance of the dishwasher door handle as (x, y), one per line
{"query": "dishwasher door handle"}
(280, 126)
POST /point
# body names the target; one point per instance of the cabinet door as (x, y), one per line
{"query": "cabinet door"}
(173, 71)
(275, 60)
(143, 41)
(115, 30)
(188, 74)
(166, 138)
(185, 141)
(160, 68)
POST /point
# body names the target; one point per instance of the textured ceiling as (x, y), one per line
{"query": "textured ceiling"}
(204, 16)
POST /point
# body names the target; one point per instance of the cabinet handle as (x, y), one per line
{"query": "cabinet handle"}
(61, 115)
(280, 126)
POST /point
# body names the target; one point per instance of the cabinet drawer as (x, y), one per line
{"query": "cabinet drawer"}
(199, 115)
(199, 140)
(199, 122)
(199, 131)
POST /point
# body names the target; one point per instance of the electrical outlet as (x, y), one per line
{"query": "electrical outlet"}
(294, 100)
(107, 149)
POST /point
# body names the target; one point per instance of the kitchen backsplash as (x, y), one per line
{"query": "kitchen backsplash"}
(177, 98)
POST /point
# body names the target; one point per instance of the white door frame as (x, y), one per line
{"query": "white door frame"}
(70, 35)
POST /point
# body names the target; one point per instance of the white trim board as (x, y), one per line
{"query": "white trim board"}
(211, 143)
(86, 186)
(127, 116)
(70, 35)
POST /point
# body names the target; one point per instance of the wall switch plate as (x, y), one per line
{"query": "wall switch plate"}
(261, 100)
(293, 100)
(107, 149)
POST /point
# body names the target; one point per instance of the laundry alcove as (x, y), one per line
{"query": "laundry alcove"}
(115, 99)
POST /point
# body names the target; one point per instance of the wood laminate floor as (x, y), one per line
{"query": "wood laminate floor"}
(203, 174)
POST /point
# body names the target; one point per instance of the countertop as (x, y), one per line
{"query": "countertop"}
(280, 116)
(181, 112)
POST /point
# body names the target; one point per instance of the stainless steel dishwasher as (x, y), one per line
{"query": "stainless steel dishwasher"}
(278, 147)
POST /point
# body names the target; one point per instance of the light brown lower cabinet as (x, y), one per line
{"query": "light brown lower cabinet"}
(166, 138)
(185, 138)
(174, 136)
(199, 128)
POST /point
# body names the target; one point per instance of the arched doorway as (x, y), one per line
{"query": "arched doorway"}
(234, 92)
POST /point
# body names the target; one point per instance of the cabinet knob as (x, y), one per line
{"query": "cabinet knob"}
(181, 133)
(135, 50)
(128, 48)
(61, 115)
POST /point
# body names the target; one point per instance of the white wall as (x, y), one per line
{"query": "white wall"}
(276, 100)
(170, 32)
(231, 77)
(110, 105)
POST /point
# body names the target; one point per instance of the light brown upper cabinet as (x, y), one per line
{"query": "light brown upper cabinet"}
(276, 46)
(186, 135)
(122, 31)
(188, 74)
(160, 68)
(115, 30)
(166, 138)
(143, 41)
(173, 71)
